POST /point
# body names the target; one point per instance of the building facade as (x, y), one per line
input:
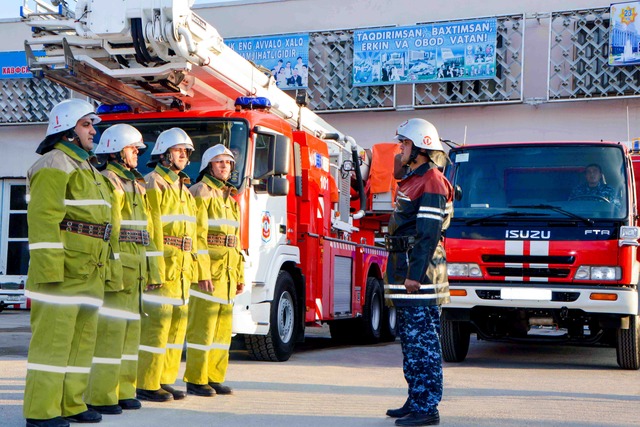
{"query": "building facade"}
(552, 82)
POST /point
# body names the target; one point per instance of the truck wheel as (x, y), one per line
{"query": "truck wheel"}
(277, 345)
(389, 324)
(454, 337)
(628, 347)
(372, 312)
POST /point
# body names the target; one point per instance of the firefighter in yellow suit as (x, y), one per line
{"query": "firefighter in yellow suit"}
(112, 383)
(173, 218)
(69, 216)
(211, 303)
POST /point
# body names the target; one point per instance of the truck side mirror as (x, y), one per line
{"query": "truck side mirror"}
(277, 186)
(457, 193)
(279, 155)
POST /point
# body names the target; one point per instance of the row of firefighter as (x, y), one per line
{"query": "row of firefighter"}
(147, 263)
(141, 262)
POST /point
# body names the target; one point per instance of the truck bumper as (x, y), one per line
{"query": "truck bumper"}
(13, 299)
(625, 301)
(251, 319)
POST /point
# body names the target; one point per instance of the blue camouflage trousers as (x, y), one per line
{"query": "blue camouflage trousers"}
(419, 330)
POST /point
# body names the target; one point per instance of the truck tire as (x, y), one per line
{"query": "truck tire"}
(389, 324)
(628, 345)
(372, 312)
(454, 338)
(278, 344)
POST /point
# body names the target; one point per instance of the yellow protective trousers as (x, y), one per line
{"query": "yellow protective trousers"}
(208, 338)
(118, 322)
(59, 359)
(161, 341)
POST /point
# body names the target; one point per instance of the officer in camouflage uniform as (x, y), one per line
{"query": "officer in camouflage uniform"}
(416, 277)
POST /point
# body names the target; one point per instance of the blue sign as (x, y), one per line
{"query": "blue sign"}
(13, 65)
(460, 50)
(286, 56)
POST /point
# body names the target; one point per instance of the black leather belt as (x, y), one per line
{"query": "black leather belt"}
(184, 243)
(399, 243)
(134, 236)
(228, 240)
(99, 231)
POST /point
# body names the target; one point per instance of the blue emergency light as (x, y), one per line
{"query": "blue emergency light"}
(114, 108)
(252, 102)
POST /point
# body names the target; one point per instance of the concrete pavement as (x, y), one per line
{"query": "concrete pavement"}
(327, 385)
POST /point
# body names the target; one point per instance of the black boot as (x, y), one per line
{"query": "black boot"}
(399, 412)
(221, 388)
(416, 419)
(158, 395)
(200, 390)
(177, 394)
(129, 404)
(88, 416)
(106, 409)
(51, 422)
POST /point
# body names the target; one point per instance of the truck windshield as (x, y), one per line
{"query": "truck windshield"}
(204, 134)
(565, 182)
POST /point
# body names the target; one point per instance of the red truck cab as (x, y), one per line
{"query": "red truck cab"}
(543, 247)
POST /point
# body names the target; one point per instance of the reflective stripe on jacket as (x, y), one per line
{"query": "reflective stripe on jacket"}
(131, 211)
(423, 210)
(173, 213)
(219, 215)
(63, 184)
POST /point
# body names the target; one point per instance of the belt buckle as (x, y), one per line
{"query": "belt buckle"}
(144, 237)
(186, 243)
(229, 240)
(107, 232)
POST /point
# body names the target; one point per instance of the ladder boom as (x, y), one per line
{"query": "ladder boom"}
(160, 49)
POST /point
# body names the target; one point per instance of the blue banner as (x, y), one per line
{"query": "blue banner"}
(13, 65)
(286, 56)
(624, 40)
(460, 50)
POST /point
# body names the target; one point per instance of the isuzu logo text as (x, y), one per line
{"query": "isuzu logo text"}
(527, 234)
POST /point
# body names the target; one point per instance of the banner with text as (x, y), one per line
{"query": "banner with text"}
(287, 56)
(13, 65)
(624, 40)
(461, 50)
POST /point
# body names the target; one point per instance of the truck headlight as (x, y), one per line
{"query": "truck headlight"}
(601, 273)
(455, 269)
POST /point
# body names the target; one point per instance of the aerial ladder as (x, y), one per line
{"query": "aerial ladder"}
(154, 55)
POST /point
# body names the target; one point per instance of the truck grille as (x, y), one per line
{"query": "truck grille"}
(558, 273)
(528, 259)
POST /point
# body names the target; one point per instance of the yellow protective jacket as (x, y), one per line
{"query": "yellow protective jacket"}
(63, 185)
(131, 211)
(219, 215)
(173, 213)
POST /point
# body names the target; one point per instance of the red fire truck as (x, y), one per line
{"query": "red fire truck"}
(309, 226)
(543, 246)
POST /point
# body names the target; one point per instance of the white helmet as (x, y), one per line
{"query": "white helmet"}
(170, 138)
(217, 150)
(66, 114)
(118, 136)
(422, 133)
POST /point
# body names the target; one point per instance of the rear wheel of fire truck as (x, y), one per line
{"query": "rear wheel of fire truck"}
(389, 320)
(372, 312)
(628, 347)
(454, 337)
(278, 344)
